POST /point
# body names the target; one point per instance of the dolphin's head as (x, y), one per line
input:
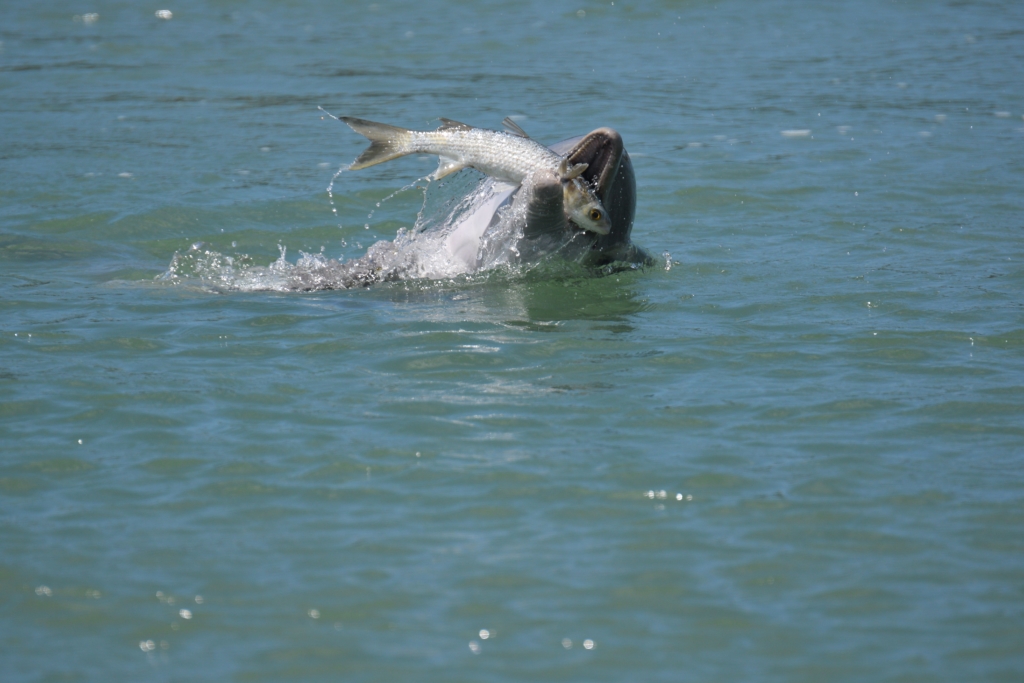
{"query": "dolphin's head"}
(610, 173)
(596, 174)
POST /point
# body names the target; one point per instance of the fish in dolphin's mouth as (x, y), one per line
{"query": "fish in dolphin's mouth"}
(509, 156)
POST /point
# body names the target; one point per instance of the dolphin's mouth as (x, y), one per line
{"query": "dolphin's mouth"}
(610, 173)
(602, 151)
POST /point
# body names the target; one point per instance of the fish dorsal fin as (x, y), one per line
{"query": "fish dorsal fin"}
(448, 124)
(513, 127)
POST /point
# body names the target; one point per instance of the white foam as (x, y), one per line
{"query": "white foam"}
(453, 236)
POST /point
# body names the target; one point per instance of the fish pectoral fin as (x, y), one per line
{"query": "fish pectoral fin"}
(513, 127)
(447, 166)
(449, 124)
(573, 172)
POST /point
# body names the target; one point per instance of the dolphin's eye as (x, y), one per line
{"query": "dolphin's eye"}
(595, 215)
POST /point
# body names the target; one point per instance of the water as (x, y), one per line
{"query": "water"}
(793, 454)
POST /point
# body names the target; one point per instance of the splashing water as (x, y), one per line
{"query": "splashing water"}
(462, 228)
(334, 178)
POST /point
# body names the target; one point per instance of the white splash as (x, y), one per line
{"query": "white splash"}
(423, 252)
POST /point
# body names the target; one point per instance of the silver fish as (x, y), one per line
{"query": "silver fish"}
(505, 156)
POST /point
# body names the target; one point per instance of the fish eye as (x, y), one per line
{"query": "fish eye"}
(595, 215)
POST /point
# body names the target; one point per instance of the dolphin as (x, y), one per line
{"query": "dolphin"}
(500, 222)
(537, 204)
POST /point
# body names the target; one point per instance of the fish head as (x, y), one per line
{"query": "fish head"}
(583, 207)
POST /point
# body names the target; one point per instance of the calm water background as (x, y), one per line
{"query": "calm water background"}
(796, 454)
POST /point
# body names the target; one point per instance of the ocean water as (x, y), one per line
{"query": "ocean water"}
(790, 450)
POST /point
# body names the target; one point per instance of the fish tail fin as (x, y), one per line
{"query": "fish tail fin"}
(386, 142)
